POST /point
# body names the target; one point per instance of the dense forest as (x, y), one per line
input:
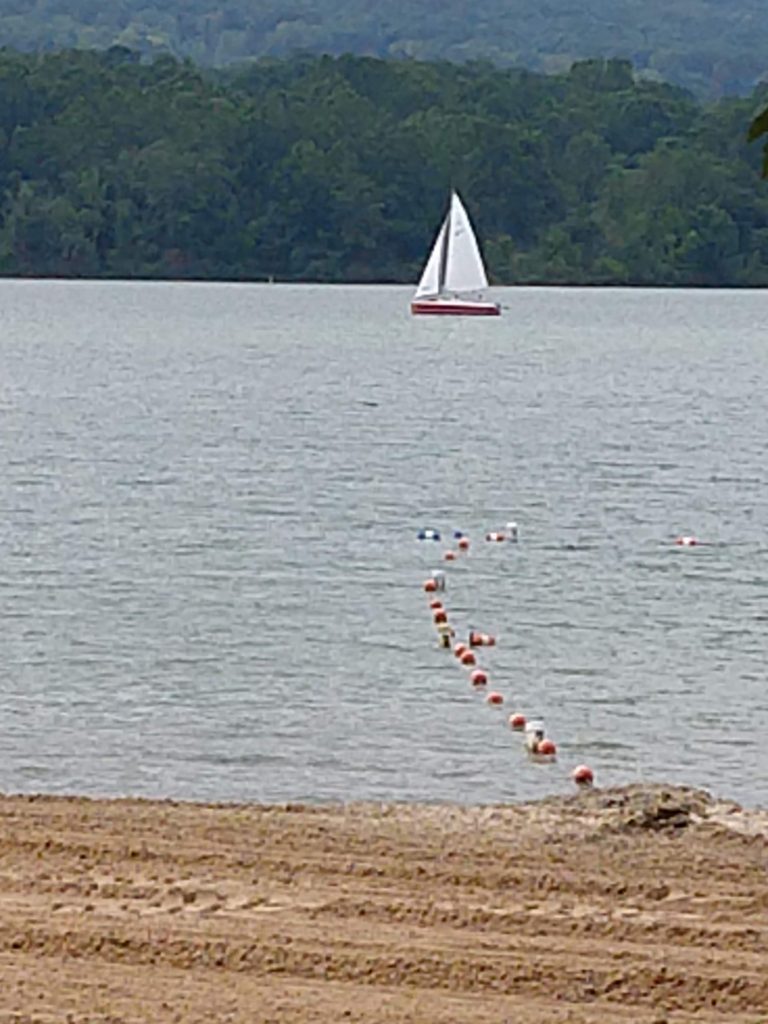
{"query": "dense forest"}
(338, 169)
(711, 47)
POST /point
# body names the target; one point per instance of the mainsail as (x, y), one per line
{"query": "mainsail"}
(464, 270)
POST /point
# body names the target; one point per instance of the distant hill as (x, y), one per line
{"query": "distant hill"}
(711, 47)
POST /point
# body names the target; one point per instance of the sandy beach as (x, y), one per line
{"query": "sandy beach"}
(626, 905)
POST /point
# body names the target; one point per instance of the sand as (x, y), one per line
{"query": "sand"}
(641, 904)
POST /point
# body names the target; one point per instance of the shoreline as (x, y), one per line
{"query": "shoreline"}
(642, 903)
(599, 797)
(517, 286)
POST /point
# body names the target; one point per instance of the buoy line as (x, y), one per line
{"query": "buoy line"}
(538, 746)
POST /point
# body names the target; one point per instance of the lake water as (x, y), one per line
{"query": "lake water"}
(210, 583)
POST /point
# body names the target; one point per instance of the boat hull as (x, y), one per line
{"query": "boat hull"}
(454, 307)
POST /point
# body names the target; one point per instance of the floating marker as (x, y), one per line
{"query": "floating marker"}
(449, 556)
(687, 542)
(428, 535)
(481, 639)
(439, 616)
(430, 586)
(534, 736)
(468, 658)
(457, 534)
(459, 649)
(436, 604)
(439, 577)
(512, 531)
(463, 543)
(494, 698)
(478, 677)
(445, 634)
(517, 722)
(546, 750)
(583, 776)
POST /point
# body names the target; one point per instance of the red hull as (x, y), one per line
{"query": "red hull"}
(436, 308)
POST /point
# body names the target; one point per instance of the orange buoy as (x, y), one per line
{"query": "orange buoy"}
(449, 556)
(481, 639)
(436, 605)
(463, 543)
(430, 586)
(439, 616)
(583, 775)
(494, 698)
(478, 677)
(546, 748)
(517, 722)
(459, 649)
(468, 658)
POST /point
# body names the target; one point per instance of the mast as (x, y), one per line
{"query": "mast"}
(443, 268)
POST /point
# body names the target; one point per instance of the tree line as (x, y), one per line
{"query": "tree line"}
(338, 169)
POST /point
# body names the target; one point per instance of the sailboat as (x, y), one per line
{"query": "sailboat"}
(454, 275)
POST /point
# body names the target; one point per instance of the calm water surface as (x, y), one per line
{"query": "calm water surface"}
(210, 585)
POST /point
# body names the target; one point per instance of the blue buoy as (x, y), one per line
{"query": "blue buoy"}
(428, 535)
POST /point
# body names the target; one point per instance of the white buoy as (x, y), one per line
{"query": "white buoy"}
(445, 634)
(512, 531)
(439, 577)
(534, 734)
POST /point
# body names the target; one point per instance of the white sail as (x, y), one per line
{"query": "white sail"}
(430, 279)
(464, 270)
